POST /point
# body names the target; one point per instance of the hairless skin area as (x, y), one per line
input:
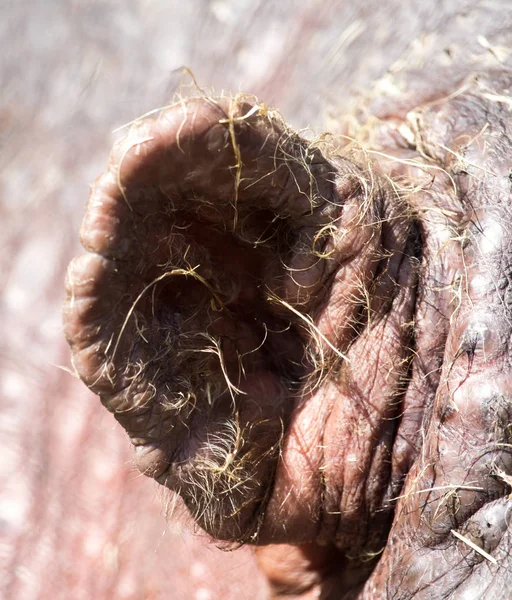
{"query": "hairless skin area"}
(305, 336)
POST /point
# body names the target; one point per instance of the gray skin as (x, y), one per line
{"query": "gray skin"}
(309, 342)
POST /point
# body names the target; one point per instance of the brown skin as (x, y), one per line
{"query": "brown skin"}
(99, 76)
(366, 380)
(312, 235)
(474, 387)
(279, 387)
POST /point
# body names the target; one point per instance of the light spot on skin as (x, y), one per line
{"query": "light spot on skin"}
(203, 594)
(127, 586)
(197, 570)
(477, 330)
(486, 390)
(353, 458)
(104, 471)
(222, 11)
(387, 86)
(481, 284)
(15, 503)
(94, 542)
(483, 339)
(470, 399)
(13, 385)
(491, 240)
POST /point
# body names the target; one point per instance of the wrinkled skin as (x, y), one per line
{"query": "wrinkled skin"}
(310, 342)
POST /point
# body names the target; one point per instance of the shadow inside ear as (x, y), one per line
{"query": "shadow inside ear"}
(175, 314)
(230, 270)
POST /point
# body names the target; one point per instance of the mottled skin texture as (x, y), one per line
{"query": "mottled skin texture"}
(353, 305)
(414, 430)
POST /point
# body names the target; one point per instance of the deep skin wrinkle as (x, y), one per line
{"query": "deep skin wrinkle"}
(309, 342)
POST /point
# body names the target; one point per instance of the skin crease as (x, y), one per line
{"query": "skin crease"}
(70, 435)
(282, 446)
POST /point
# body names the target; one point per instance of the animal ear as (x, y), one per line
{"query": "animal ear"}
(205, 243)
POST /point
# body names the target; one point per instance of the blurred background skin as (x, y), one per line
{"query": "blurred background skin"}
(76, 520)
